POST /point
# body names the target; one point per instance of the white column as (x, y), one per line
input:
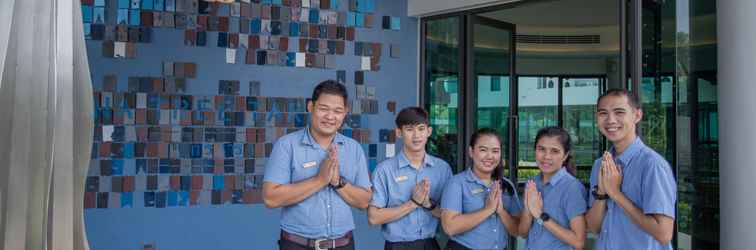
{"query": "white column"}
(737, 108)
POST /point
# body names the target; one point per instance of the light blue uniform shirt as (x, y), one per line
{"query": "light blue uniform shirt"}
(393, 183)
(563, 199)
(466, 193)
(648, 182)
(297, 157)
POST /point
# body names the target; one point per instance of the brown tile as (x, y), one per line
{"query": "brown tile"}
(197, 182)
(128, 184)
(350, 34)
(175, 183)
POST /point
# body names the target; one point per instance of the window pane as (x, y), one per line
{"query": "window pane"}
(441, 86)
(579, 100)
(537, 109)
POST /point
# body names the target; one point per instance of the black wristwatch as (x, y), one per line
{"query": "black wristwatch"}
(432, 206)
(342, 183)
(597, 196)
(543, 218)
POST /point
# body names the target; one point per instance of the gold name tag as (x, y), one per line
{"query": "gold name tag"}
(477, 191)
(309, 164)
(401, 178)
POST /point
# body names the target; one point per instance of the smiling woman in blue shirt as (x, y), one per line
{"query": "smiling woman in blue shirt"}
(476, 211)
(554, 199)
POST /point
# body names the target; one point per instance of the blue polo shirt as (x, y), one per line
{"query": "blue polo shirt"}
(393, 183)
(466, 193)
(297, 157)
(649, 183)
(563, 199)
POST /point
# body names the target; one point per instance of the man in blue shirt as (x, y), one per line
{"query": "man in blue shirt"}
(316, 174)
(632, 205)
(408, 187)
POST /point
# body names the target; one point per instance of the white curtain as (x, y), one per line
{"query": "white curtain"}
(46, 124)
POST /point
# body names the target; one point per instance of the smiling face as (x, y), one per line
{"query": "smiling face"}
(327, 113)
(617, 119)
(414, 137)
(550, 154)
(486, 154)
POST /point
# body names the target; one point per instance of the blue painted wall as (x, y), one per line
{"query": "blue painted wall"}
(246, 226)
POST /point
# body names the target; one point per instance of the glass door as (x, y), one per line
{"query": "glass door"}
(490, 70)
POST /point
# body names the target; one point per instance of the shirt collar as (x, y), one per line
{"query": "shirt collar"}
(629, 152)
(471, 177)
(307, 138)
(559, 175)
(404, 162)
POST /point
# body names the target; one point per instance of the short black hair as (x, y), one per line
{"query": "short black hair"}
(329, 87)
(632, 98)
(411, 116)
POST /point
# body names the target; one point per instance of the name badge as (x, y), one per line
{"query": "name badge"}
(309, 164)
(401, 178)
(477, 191)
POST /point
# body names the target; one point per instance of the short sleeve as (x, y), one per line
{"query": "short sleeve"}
(594, 180)
(380, 191)
(363, 178)
(659, 190)
(278, 166)
(452, 197)
(575, 203)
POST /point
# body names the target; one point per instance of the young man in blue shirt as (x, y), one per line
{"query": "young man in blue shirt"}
(316, 175)
(632, 205)
(408, 187)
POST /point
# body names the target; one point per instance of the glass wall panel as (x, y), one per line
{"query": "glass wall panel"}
(442, 45)
(579, 97)
(491, 42)
(538, 101)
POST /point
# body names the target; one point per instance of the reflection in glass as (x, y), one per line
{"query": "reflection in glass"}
(441, 86)
(537, 99)
(491, 66)
(579, 108)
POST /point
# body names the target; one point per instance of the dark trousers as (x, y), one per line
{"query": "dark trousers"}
(424, 244)
(288, 245)
(453, 245)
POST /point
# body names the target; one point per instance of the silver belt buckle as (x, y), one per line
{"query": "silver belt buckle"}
(317, 244)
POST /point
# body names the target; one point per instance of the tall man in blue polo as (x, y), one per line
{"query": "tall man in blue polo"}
(316, 175)
(632, 205)
(406, 188)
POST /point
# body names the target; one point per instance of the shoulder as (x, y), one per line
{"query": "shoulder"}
(385, 165)
(654, 161)
(291, 138)
(349, 142)
(573, 184)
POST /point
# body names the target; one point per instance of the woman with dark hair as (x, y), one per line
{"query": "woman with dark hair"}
(476, 211)
(554, 199)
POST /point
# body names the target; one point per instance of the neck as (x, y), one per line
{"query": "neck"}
(621, 145)
(415, 157)
(547, 176)
(481, 175)
(323, 140)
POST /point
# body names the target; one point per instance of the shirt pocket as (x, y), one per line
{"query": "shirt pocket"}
(400, 189)
(473, 199)
(306, 165)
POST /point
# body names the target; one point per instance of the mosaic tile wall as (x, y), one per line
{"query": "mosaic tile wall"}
(159, 144)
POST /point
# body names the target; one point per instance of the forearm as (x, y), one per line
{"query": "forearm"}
(595, 216)
(380, 216)
(436, 212)
(659, 230)
(457, 223)
(355, 196)
(572, 236)
(510, 222)
(526, 221)
(281, 195)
